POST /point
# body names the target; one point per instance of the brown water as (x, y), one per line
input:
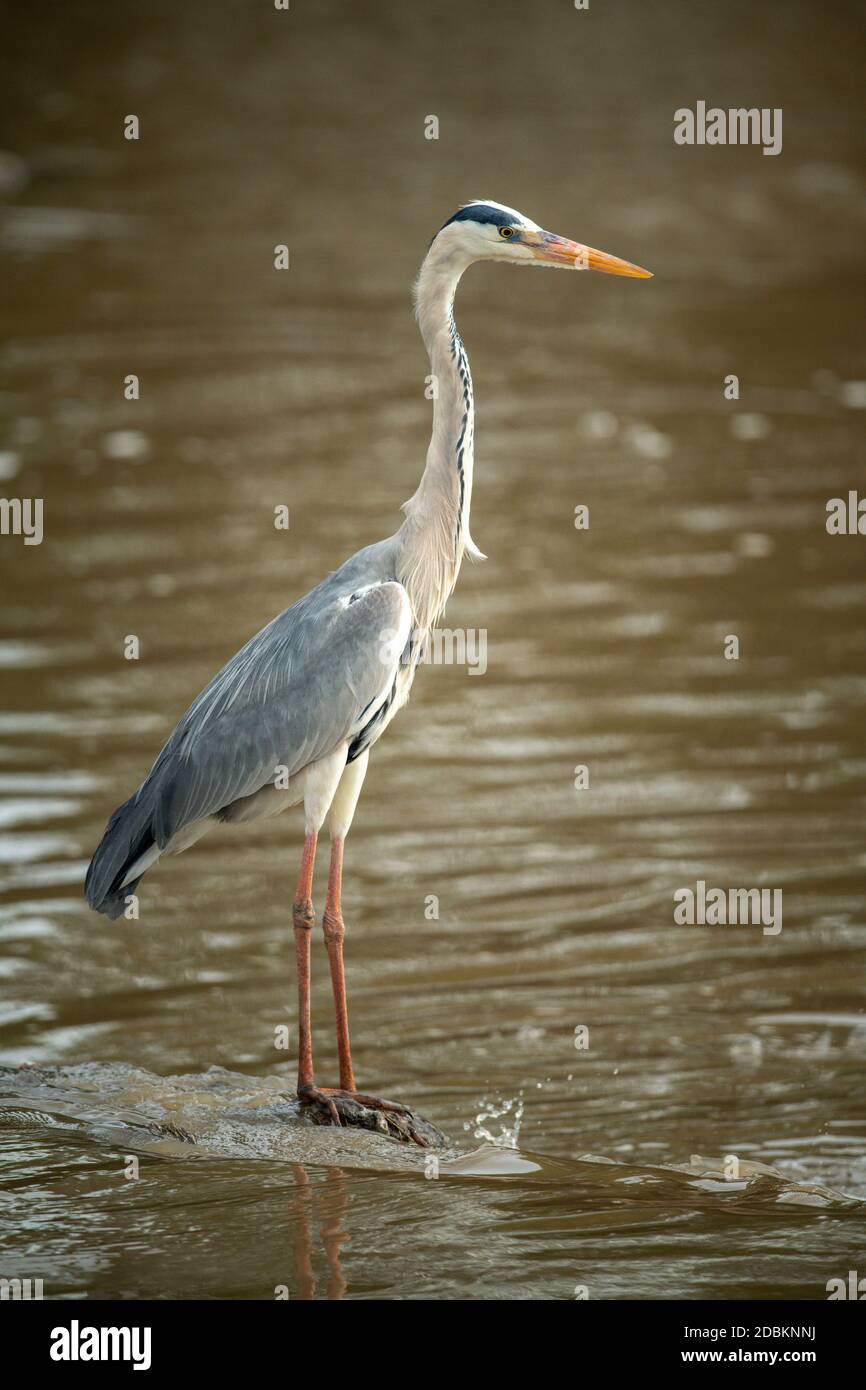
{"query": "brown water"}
(601, 1167)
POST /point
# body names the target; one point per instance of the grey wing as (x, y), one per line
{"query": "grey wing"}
(302, 686)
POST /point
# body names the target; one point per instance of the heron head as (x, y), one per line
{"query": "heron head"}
(486, 231)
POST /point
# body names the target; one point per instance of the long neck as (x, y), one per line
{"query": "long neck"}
(435, 533)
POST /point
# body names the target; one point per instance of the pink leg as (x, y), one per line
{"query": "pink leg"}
(322, 1101)
(303, 918)
(335, 931)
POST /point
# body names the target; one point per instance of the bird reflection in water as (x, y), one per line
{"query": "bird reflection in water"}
(324, 1206)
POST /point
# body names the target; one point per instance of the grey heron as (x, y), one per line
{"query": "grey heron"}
(293, 715)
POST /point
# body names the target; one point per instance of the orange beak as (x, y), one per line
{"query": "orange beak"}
(557, 250)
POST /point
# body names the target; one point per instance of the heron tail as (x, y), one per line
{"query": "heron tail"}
(127, 846)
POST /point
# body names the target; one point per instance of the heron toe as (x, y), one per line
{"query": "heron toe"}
(327, 1105)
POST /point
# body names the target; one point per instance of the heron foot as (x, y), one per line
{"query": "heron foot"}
(328, 1105)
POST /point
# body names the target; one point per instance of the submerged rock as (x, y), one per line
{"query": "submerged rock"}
(213, 1113)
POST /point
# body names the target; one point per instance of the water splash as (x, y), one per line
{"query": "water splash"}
(497, 1109)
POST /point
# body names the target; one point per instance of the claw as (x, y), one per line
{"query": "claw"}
(347, 1108)
(312, 1095)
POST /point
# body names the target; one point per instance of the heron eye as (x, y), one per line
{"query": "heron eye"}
(506, 231)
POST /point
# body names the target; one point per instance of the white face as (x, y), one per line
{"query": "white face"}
(484, 241)
(501, 233)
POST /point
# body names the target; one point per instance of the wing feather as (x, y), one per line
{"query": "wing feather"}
(294, 693)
